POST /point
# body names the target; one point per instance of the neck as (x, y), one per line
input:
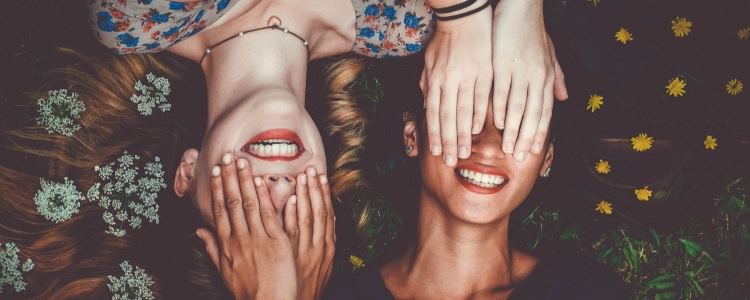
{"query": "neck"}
(246, 67)
(466, 259)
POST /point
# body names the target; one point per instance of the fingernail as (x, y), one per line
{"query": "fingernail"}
(476, 128)
(312, 172)
(435, 150)
(448, 159)
(323, 179)
(241, 163)
(500, 124)
(215, 171)
(258, 181)
(462, 152)
(198, 233)
(303, 179)
(293, 200)
(536, 149)
(226, 159)
(520, 156)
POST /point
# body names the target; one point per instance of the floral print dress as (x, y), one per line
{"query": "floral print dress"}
(385, 28)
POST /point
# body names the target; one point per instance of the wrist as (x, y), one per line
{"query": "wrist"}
(461, 10)
(524, 7)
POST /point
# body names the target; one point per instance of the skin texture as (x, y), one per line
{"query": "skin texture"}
(462, 250)
(257, 257)
(457, 79)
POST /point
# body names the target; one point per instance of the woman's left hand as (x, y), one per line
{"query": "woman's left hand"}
(311, 230)
(527, 76)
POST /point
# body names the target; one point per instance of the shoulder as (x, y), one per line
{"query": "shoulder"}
(573, 277)
(364, 284)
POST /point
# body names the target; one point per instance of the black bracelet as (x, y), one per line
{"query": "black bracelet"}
(468, 13)
(453, 8)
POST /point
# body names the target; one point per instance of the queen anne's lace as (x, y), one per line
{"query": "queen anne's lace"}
(56, 201)
(134, 284)
(152, 95)
(128, 196)
(59, 111)
(10, 263)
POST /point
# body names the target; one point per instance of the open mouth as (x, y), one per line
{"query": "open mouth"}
(481, 181)
(275, 144)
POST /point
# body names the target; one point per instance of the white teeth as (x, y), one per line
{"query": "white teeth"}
(274, 148)
(480, 179)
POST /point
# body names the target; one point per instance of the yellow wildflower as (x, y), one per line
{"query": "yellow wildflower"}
(744, 33)
(595, 2)
(643, 194)
(356, 261)
(734, 87)
(602, 166)
(604, 207)
(681, 27)
(623, 36)
(642, 142)
(676, 87)
(710, 142)
(595, 102)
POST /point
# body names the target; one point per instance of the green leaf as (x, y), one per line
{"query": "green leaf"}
(662, 282)
(691, 247)
(656, 237)
(569, 233)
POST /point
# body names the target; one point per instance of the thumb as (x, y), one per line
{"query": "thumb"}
(211, 247)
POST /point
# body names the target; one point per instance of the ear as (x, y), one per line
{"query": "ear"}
(184, 173)
(547, 163)
(410, 138)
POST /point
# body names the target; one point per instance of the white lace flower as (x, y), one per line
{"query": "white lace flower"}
(59, 111)
(152, 95)
(9, 263)
(128, 195)
(58, 201)
(134, 284)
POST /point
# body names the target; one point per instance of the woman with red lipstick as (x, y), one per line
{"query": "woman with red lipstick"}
(460, 248)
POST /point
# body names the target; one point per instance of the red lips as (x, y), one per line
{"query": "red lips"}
(276, 134)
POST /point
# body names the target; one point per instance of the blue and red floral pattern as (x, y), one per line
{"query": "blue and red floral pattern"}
(131, 26)
(392, 28)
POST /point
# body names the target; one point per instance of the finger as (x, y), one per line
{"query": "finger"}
(532, 115)
(267, 212)
(448, 102)
(432, 116)
(464, 115)
(320, 213)
(500, 93)
(211, 247)
(331, 221)
(290, 223)
(304, 212)
(250, 203)
(221, 220)
(544, 122)
(514, 114)
(232, 195)
(482, 91)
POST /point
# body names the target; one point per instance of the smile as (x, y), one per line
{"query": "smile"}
(275, 144)
(481, 179)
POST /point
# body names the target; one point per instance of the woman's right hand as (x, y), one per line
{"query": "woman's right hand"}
(253, 254)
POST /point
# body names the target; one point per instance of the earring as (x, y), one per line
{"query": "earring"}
(546, 173)
(409, 149)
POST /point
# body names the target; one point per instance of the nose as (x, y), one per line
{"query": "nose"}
(280, 187)
(488, 143)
